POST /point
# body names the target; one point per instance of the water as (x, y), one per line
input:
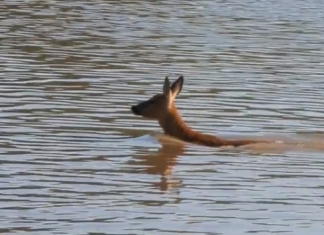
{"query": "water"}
(74, 160)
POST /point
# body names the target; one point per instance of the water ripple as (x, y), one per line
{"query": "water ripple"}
(76, 161)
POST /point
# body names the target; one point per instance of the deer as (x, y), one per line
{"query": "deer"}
(161, 107)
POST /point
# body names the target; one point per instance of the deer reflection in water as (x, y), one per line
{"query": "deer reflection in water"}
(161, 162)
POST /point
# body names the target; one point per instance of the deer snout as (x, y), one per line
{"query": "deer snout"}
(135, 110)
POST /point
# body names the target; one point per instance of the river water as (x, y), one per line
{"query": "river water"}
(75, 160)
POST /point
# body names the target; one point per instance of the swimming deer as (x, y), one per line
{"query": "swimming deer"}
(161, 107)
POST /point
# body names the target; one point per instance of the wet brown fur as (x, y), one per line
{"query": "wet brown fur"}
(173, 125)
(161, 107)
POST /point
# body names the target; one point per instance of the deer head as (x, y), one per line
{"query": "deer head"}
(158, 106)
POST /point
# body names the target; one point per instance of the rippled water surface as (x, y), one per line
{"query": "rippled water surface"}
(74, 160)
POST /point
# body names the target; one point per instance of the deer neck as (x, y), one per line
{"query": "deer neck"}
(173, 125)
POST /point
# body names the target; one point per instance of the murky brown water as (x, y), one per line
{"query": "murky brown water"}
(74, 160)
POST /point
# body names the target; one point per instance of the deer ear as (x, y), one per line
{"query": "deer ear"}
(177, 86)
(166, 86)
